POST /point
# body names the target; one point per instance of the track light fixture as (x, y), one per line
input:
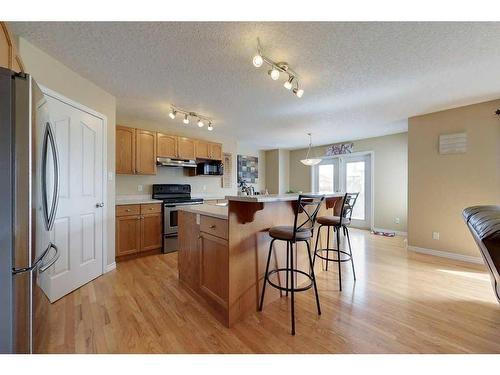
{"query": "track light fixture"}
(201, 120)
(276, 69)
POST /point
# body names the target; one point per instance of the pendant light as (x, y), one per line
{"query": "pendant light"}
(310, 161)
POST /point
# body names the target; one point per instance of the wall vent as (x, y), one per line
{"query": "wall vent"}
(453, 143)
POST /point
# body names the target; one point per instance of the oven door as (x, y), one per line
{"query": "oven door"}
(170, 221)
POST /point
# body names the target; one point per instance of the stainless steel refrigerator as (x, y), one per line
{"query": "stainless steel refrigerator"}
(29, 177)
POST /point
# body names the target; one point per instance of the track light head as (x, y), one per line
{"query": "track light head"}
(186, 119)
(172, 114)
(200, 123)
(288, 83)
(257, 61)
(210, 127)
(274, 73)
(298, 92)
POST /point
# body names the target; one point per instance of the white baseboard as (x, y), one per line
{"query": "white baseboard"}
(390, 230)
(110, 267)
(445, 254)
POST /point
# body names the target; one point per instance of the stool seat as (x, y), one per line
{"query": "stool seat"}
(332, 220)
(285, 233)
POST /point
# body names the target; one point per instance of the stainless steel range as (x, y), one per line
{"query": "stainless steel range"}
(173, 195)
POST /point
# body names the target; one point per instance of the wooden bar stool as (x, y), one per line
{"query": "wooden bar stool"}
(337, 223)
(309, 205)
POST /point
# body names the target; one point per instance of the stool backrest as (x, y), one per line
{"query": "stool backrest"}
(348, 203)
(309, 205)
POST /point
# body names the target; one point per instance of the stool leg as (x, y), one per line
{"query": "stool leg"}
(328, 247)
(350, 252)
(287, 266)
(313, 278)
(338, 255)
(265, 275)
(316, 247)
(292, 289)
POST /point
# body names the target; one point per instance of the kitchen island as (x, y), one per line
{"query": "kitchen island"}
(223, 250)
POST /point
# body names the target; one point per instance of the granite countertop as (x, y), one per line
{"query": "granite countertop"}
(277, 197)
(213, 210)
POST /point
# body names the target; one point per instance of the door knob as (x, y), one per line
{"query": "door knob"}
(98, 205)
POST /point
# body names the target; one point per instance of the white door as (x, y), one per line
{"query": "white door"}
(78, 226)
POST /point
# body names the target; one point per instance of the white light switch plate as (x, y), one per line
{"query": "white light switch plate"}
(110, 176)
(435, 235)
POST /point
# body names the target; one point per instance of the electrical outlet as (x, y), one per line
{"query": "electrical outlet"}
(139, 187)
(396, 220)
(435, 235)
(110, 176)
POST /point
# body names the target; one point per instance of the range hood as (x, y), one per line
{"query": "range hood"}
(168, 162)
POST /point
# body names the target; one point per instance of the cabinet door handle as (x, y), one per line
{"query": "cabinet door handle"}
(213, 226)
(128, 210)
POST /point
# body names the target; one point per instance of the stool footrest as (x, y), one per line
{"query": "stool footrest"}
(301, 289)
(344, 256)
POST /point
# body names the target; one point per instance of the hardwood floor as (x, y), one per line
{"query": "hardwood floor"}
(402, 302)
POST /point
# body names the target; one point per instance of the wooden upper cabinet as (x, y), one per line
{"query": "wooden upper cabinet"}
(9, 57)
(125, 150)
(215, 151)
(166, 145)
(202, 150)
(186, 148)
(145, 152)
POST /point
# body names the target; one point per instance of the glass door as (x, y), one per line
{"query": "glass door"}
(351, 174)
(356, 178)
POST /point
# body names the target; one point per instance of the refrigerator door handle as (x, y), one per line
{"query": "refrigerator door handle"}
(50, 216)
(45, 266)
(35, 263)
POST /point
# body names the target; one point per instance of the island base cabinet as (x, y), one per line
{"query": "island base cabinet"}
(214, 272)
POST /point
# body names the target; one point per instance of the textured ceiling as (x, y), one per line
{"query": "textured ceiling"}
(360, 79)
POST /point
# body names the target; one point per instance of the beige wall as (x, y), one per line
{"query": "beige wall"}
(441, 186)
(56, 76)
(390, 177)
(277, 171)
(127, 184)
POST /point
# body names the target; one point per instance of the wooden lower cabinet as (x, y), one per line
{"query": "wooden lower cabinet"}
(138, 229)
(128, 235)
(151, 231)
